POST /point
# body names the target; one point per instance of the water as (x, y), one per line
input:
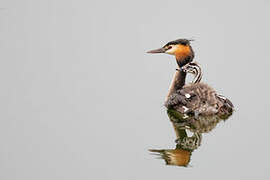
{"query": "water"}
(81, 98)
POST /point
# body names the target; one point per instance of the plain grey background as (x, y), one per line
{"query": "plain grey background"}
(80, 98)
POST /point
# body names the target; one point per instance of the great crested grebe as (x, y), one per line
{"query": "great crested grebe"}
(184, 54)
(196, 106)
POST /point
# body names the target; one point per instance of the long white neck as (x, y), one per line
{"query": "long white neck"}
(177, 82)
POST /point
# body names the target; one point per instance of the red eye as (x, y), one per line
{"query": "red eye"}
(169, 47)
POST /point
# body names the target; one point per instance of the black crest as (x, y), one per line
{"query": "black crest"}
(179, 41)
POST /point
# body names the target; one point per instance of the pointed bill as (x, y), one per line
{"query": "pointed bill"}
(160, 50)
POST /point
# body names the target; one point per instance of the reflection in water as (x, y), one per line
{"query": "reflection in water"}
(180, 156)
(177, 157)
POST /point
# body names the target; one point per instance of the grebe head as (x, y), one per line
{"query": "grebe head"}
(180, 48)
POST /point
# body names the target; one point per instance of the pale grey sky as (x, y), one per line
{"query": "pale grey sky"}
(80, 98)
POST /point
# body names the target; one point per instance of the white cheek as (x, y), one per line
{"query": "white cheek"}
(172, 50)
